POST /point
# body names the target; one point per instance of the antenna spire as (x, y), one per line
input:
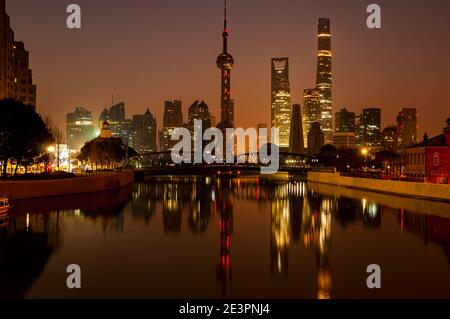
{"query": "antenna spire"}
(225, 23)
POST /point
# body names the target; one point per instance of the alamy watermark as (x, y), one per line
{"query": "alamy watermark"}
(229, 149)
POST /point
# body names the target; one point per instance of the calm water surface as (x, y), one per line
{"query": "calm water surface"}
(209, 238)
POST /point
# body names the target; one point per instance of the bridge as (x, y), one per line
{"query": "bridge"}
(161, 163)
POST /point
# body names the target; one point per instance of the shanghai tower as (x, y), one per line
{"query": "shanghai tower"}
(324, 78)
(225, 63)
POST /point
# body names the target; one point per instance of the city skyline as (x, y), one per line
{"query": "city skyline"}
(56, 88)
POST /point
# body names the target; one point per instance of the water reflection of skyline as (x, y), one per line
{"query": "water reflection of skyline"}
(299, 217)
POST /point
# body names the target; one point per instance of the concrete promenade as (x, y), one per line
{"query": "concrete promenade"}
(68, 186)
(408, 189)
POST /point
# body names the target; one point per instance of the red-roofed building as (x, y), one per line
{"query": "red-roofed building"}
(430, 159)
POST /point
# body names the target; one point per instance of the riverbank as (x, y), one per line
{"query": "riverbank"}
(67, 186)
(407, 189)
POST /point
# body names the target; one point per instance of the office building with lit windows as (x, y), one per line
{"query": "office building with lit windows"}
(370, 128)
(390, 138)
(345, 121)
(311, 111)
(144, 131)
(281, 100)
(16, 81)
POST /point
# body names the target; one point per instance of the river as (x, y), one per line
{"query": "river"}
(200, 237)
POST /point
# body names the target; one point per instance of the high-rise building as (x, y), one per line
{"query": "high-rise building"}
(117, 112)
(172, 119)
(370, 127)
(311, 111)
(173, 114)
(199, 111)
(281, 101)
(407, 125)
(316, 139)
(296, 143)
(390, 138)
(345, 121)
(80, 128)
(118, 124)
(16, 81)
(358, 132)
(324, 78)
(225, 63)
(145, 130)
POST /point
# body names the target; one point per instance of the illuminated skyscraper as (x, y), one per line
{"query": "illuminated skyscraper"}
(311, 111)
(407, 126)
(281, 100)
(16, 80)
(370, 127)
(324, 78)
(225, 63)
(345, 126)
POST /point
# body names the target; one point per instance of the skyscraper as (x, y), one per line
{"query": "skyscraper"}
(407, 126)
(296, 143)
(345, 126)
(80, 128)
(117, 112)
(345, 121)
(324, 78)
(225, 63)
(16, 80)
(311, 111)
(115, 116)
(172, 119)
(370, 127)
(281, 100)
(390, 138)
(199, 111)
(173, 114)
(145, 130)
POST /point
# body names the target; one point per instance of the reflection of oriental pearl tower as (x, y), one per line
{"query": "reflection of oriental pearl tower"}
(225, 62)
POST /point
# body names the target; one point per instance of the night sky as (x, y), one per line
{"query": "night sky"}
(148, 51)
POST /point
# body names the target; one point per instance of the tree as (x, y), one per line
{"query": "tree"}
(58, 137)
(328, 156)
(102, 151)
(349, 159)
(23, 133)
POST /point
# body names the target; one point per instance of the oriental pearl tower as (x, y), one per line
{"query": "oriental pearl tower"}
(225, 63)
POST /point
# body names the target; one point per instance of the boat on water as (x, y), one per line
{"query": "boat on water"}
(5, 204)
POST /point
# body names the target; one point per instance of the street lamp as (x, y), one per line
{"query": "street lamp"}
(365, 152)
